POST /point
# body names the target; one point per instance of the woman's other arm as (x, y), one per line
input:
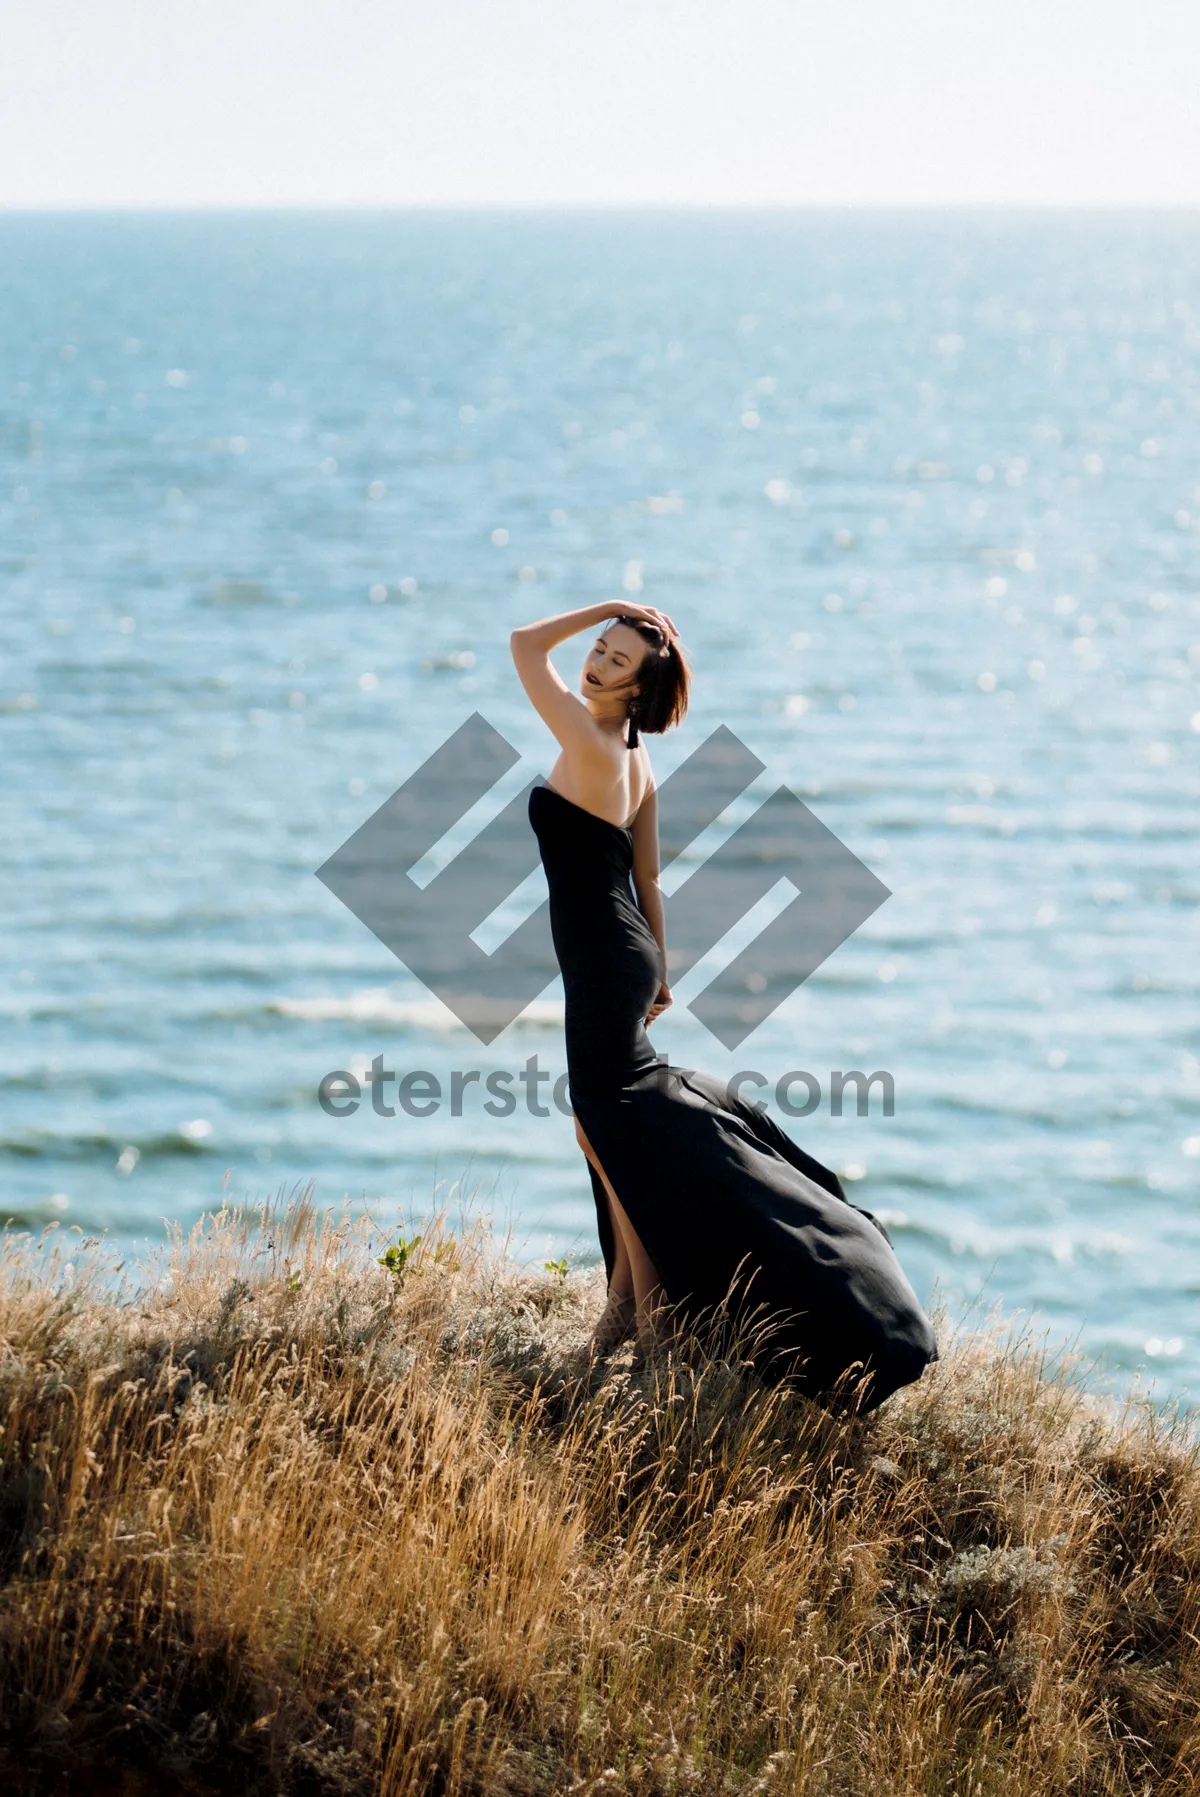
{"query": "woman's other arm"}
(645, 884)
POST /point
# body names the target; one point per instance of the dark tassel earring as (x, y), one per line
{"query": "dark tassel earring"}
(633, 724)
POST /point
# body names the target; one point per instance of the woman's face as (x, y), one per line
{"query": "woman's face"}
(612, 662)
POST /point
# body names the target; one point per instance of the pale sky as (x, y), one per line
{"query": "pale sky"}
(587, 102)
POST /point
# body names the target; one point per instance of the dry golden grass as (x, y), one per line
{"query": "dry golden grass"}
(296, 1523)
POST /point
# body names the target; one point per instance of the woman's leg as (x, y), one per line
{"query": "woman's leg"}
(618, 1318)
(632, 1265)
(621, 1283)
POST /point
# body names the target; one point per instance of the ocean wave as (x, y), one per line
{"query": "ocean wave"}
(42, 1144)
(375, 1004)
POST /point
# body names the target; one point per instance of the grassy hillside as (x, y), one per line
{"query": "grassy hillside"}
(294, 1521)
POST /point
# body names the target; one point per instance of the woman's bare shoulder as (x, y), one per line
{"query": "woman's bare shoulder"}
(642, 783)
(647, 772)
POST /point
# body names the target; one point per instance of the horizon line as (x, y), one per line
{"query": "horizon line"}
(75, 208)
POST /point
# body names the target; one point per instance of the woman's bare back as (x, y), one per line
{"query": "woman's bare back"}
(606, 788)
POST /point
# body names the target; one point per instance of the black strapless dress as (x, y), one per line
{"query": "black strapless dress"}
(713, 1187)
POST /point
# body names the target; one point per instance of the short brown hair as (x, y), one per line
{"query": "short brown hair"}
(662, 682)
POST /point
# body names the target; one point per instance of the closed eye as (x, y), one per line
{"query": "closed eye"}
(617, 654)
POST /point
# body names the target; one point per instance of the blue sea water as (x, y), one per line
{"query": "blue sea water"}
(922, 493)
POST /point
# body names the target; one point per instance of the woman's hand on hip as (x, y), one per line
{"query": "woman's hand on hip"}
(660, 1004)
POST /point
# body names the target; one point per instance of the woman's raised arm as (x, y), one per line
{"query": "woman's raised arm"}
(562, 710)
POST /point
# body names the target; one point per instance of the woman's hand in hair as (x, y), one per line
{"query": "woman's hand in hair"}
(650, 614)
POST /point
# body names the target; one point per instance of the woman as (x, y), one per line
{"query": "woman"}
(704, 1205)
